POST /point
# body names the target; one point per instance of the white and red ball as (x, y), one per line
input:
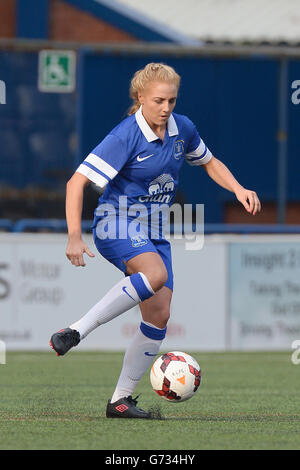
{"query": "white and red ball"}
(175, 376)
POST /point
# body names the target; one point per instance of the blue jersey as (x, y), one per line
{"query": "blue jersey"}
(133, 161)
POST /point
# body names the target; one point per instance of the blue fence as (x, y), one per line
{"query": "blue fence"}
(37, 129)
(59, 225)
(234, 103)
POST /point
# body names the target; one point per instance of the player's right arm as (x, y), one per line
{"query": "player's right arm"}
(100, 167)
(74, 202)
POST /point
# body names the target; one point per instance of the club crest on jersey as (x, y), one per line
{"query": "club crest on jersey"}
(178, 149)
(138, 240)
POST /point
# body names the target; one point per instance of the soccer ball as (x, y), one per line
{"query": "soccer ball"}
(175, 376)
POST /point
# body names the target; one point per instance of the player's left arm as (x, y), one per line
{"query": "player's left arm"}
(223, 177)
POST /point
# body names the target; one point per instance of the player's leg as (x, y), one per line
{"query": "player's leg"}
(141, 352)
(147, 275)
(145, 343)
(143, 282)
(148, 337)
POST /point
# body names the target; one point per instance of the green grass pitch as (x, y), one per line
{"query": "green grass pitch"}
(245, 401)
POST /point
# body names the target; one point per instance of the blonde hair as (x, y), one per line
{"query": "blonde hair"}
(153, 72)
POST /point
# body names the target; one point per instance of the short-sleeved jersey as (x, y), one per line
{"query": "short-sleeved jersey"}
(133, 161)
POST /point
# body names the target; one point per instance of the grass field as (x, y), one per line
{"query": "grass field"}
(246, 401)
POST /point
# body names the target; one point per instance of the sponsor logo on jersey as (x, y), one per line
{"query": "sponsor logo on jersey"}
(159, 189)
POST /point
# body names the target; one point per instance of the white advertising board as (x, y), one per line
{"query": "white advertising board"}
(264, 289)
(41, 292)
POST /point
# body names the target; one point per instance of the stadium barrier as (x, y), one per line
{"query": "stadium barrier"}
(59, 225)
(239, 292)
(62, 128)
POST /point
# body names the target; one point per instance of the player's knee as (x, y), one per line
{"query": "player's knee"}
(157, 277)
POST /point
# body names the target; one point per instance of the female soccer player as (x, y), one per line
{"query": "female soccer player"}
(139, 160)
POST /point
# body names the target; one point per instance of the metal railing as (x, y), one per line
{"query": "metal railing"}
(60, 226)
(140, 47)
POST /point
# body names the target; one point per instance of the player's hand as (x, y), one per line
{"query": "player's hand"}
(75, 250)
(249, 200)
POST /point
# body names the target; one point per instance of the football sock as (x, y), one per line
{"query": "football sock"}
(138, 357)
(120, 298)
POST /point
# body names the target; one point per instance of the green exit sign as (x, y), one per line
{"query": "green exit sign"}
(57, 70)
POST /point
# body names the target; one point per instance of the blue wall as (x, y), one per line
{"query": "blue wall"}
(36, 129)
(233, 102)
(293, 181)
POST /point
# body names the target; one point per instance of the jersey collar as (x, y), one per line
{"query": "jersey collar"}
(148, 132)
